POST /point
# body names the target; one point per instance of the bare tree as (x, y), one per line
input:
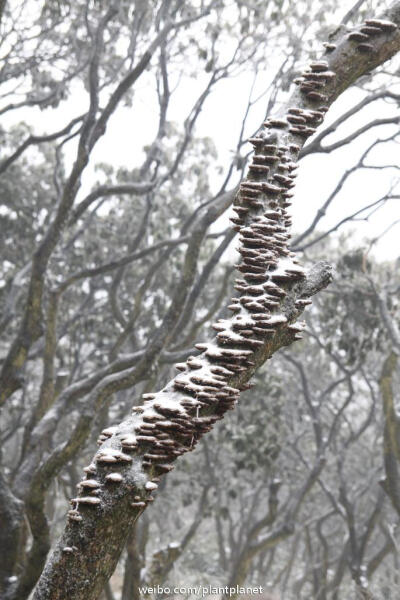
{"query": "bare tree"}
(272, 293)
(174, 419)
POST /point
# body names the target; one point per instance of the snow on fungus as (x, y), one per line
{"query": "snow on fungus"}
(150, 486)
(86, 500)
(114, 477)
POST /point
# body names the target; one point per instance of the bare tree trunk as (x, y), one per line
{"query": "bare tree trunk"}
(11, 519)
(391, 483)
(133, 566)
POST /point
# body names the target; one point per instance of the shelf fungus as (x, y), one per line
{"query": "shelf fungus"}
(151, 486)
(357, 36)
(371, 30)
(73, 515)
(277, 123)
(114, 477)
(319, 66)
(111, 455)
(90, 484)
(90, 500)
(365, 47)
(90, 468)
(386, 26)
(256, 141)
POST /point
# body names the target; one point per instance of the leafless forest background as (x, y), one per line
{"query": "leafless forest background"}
(297, 490)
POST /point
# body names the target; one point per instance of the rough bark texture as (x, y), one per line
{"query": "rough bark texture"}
(272, 294)
(11, 513)
(391, 447)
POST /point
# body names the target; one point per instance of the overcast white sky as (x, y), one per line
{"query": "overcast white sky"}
(318, 174)
(131, 128)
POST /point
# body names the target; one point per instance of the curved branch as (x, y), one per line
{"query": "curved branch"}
(37, 139)
(315, 146)
(135, 189)
(115, 264)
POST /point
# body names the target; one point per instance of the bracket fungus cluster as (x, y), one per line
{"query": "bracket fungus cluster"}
(171, 421)
(135, 454)
(313, 82)
(363, 35)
